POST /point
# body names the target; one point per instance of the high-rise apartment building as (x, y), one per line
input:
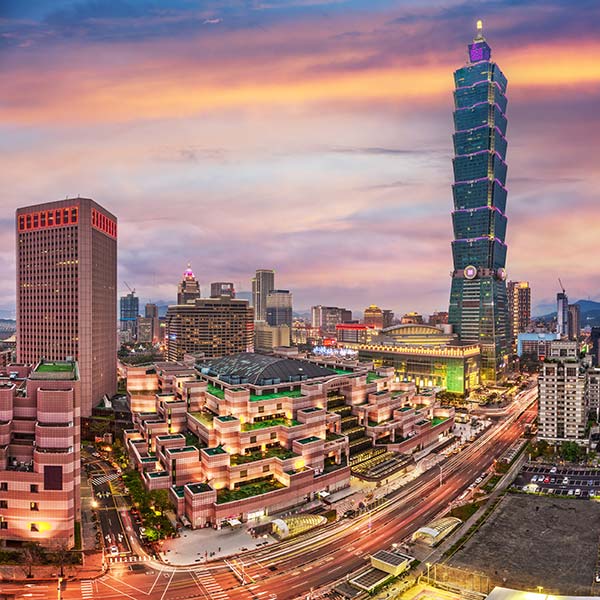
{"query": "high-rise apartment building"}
(478, 303)
(563, 397)
(144, 330)
(40, 459)
(519, 308)
(188, 289)
(573, 322)
(67, 291)
(222, 288)
(411, 318)
(262, 283)
(562, 314)
(595, 346)
(279, 308)
(388, 317)
(268, 337)
(326, 318)
(438, 318)
(214, 326)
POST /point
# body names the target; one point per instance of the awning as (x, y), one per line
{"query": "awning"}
(234, 522)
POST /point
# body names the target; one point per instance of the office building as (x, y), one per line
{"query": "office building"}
(354, 333)
(563, 395)
(151, 312)
(279, 308)
(188, 290)
(388, 317)
(373, 316)
(519, 308)
(262, 283)
(222, 288)
(145, 330)
(411, 318)
(573, 322)
(40, 459)
(268, 337)
(215, 327)
(325, 318)
(478, 304)
(562, 314)
(129, 309)
(67, 291)
(438, 318)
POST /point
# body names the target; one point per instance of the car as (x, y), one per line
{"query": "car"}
(565, 481)
(578, 492)
(597, 578)
(590, 482)
(525, 488)
(534, 479)
(546, 479)
(478, 480)
(113, 551)
(553, 470)
(142, 530)
(349, 514)
(484, 475)
(552, 479)
(570, 492)
(592, 493)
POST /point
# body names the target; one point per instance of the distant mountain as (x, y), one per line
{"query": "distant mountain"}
(590, 313)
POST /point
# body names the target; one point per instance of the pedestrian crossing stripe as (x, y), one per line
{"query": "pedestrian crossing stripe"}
(133, 558)
(104, 479)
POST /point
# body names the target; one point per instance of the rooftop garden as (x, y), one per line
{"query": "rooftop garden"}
(205, 417)
(269, 423)
(343, 371)
(275, 452)
(309, 440)
(437, 420)
(216, 391)
(227, 418)
(215, 451)
(252, 488)
(192, 440)
(330, 436)
(199, 488)
(372, 376)
(55, 367)
(282, 394)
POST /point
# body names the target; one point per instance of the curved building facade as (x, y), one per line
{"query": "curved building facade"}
(478, 300)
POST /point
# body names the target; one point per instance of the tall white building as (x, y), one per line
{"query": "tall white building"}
(563, 395)
(262, 283)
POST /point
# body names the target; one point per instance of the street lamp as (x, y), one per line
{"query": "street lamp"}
(428, 567)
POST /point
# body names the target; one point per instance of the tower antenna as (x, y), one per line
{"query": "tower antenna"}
(479, 30)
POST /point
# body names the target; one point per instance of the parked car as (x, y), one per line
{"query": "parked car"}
(546, 479)
(553, 470)
(113, 551)
(578, 492)
(566, 481)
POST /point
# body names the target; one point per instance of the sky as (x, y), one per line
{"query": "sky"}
(313, 137)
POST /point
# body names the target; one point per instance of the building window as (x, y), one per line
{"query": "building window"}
(3, 486)
(33, 488)
(266, 468)
(3, 504)
(33, 527)
(273, 435)
(34, 506)
(3, 525)
(279, 406)
(253, 439)
(261, 409)
(243, 473)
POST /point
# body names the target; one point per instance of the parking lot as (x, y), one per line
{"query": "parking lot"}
(555, 480)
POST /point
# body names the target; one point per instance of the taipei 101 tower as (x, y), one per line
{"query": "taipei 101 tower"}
(478, 300)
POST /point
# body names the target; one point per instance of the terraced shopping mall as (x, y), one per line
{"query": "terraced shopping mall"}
(248, 435)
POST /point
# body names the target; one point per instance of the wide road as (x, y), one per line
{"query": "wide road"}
(291, 569)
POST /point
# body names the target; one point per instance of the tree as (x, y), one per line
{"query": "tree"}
(31, 555)
(160, 500)
(571, 451)
(61, 554)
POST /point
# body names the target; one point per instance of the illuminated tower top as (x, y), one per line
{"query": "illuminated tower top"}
(479, 49)
(189, 289)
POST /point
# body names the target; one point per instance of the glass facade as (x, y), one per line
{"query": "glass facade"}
(478, 299)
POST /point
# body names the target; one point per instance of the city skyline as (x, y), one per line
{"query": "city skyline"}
(246, 156)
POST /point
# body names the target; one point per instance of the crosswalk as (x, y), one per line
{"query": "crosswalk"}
(130, 558)
(104, 479)
(211, 585)
(87, 590)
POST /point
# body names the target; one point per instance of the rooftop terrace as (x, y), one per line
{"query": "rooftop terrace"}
(269, 423)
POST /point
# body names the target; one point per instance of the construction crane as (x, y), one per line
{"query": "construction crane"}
(129, 287)
(562, 287)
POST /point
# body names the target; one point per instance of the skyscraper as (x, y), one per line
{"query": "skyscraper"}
(562, 314)
(519, 307)
(478, 303)
(67, 291)
(151, 312)
(279, 308)
(573, 322)
(189, 287)
(262, 284)
(326, 318)
(373, 316)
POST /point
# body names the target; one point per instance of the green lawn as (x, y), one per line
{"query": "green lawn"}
(50, 367)
(437, 420)
(269, 423)
(284, 394)
(371, 376)
(216, 391)
(283, 453)
(248, 490)
(465, 511)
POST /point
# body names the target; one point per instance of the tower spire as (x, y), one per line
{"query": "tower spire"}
(479, 37)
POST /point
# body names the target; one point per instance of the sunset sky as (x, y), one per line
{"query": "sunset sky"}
(313, 137)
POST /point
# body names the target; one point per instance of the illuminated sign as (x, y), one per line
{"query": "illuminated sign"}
(103, 223)
(46, 219)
